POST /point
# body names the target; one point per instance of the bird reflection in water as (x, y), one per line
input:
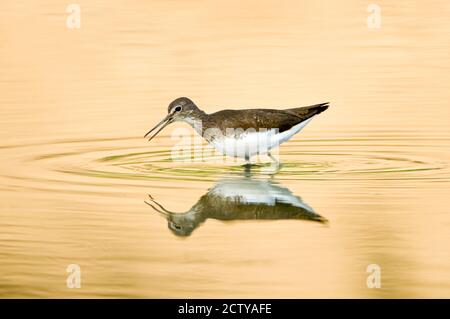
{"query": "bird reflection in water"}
(241, 198)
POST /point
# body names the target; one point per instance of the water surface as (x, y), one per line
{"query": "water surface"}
(367, 182)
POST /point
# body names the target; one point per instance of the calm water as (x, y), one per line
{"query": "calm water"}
(367, 182)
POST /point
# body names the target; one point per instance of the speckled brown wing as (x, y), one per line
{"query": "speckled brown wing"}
(263, 118)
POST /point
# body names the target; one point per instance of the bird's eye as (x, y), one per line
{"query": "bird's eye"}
(178, 109)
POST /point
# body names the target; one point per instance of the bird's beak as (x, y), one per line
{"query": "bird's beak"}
(166, 121)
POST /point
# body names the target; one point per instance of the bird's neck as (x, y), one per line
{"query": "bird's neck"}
(197, 120)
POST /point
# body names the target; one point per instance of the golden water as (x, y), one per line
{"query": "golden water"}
(75, 170)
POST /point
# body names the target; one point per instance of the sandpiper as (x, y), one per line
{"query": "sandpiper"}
(243, 198)
(241, 133)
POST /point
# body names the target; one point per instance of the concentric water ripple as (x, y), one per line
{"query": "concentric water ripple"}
(130, 159)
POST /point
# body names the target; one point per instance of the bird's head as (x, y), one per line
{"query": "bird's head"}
(181, 109)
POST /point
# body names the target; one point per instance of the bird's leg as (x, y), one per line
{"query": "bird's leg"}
(247, 159)
(273, 158)
(248, 165)
(275, 162)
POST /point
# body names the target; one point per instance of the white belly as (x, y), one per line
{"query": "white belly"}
(249, 191)
(252, 143)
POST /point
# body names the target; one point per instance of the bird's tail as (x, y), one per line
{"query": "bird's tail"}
(307, 112)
